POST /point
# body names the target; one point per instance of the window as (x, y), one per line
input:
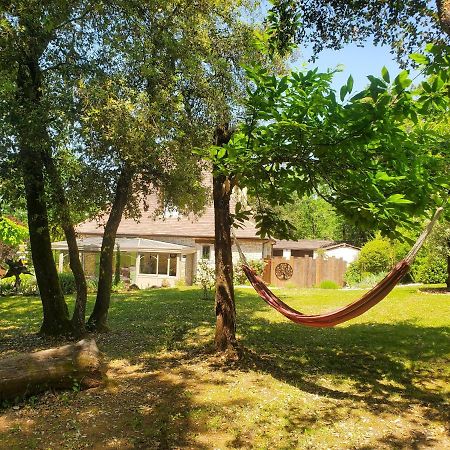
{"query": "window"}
(149, 263)
(163, 261)
(173, 265)
(206, 251)
(159, 264)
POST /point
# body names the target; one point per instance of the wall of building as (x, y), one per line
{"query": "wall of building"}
(348, 254)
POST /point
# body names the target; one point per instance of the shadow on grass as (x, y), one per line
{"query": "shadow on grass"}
(153, 413)
(382, 365)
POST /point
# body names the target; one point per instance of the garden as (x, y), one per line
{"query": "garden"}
(104, 104)
(380, 381)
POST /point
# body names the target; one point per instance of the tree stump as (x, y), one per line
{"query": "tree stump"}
(78, 365)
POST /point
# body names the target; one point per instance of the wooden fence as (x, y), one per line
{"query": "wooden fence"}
(304, 271)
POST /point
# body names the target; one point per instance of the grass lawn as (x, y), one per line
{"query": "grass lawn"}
(381, 381)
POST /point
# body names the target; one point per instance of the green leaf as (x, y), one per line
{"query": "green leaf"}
(402, 80)
(221, 153)
(343, 92)
(385, 74)
(398, 199)
(419, 58)
(349, 84)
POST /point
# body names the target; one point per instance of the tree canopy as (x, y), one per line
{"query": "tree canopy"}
(405, 26)
(377, 151)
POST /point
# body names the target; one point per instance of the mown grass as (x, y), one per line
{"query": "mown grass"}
(379, 381)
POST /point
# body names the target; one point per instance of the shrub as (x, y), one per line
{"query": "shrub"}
(239, 276)
(353, 274)
(375, 259)
(369, 280)
(205, 277)
(119, 287)
(28, 286)
(92, 285)
(328, 284)
(6, 285)
(180, 283)
(67, 282)
(354, 277)
(431, 269)
(376, 256)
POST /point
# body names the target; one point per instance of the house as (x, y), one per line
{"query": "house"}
(159, 251)
(315, 247)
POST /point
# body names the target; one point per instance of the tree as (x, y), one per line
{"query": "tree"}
(184, 84)
(134, 138)
(374, 153)
(213, 89)
(405, 26)
(370, 150)
(46, 50)
(314, 218)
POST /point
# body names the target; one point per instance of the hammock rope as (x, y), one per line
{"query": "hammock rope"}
(348, 312)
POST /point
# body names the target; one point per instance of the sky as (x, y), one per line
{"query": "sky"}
(357, 61)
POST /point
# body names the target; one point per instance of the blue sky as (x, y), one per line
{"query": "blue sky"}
(357, 61)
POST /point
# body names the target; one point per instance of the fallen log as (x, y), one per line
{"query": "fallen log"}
(77, 365)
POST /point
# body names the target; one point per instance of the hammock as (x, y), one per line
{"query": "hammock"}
(355, 309)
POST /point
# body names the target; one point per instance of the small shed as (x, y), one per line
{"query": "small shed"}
(143, 262)
(314, 248)
(345, 251)
(300, 248)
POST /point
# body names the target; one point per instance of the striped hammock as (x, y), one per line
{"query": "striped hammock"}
(355, 309)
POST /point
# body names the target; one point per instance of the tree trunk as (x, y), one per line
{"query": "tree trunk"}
(75, 365)
(225, 338)
(30, 125)
(65, 220)
(98, 319)
(444, 15)
(225, 307)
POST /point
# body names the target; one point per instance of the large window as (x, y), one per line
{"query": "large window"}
(149, 263)
(173, 265)
(159, 264)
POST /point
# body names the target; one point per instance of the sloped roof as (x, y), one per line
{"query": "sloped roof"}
(94, 244)
(341, 244)
(302, 244)
(185, 226)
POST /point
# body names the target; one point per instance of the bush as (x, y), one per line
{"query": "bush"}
(355, 277)
(205, 277)
(369, 280)
(119, 287)
(6, 286)
(376, 256)
(28, 286)
(67, 281)
(328, 284)
(239, 275)
(431, 269)
(92, 285)
(353, 274)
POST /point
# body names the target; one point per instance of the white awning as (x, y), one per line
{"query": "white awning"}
(94, 244)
